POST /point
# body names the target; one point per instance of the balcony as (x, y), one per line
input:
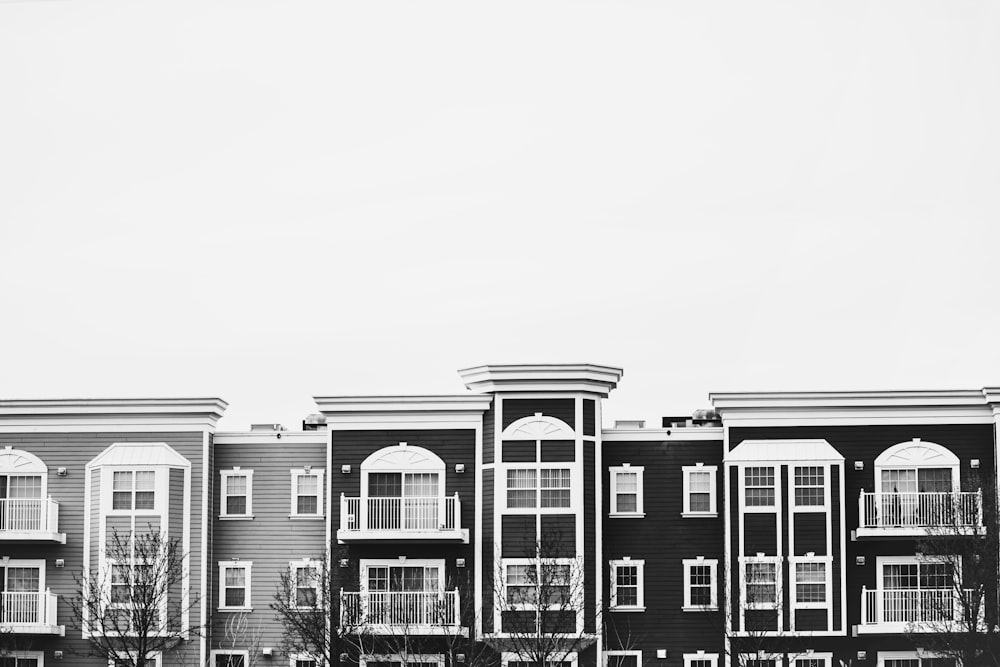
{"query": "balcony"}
(30, 520)
(29, 614)
(898, 611)
(919, 514)
(402, 612)
(403, 519)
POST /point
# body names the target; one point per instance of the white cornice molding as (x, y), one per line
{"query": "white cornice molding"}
(858, 407)
(336, 407)
(682, 434)
(590, 378)
(269, 437)
(118, 414)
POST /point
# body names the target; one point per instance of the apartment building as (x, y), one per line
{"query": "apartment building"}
(799, 529)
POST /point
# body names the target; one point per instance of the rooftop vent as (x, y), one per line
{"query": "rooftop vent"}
(630, 423)
(676, 422)
(266, 427)
(314, 422)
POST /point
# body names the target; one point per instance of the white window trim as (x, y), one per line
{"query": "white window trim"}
(395, 562)
(214, 654)
(744, 658)
(320, 507)
(636, 654)
(224, 498)
(827, 658)
(828, 581)
(881, 561)
(689, 658)
(825, 507)
(364, 659)
(575, 488)
(293, 568)
(574, 586)
(713, 564)
(713, 506)
(248, 600)
(640, 605)
(746, 560)
(161, 481)
(507, 657)
(614, 472)
(292, 658)
(157, 659)
(773, 508)
(919, 654)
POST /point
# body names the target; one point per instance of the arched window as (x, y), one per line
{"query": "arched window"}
(915, 484)
(23, 480)
(917, 467)
(403, 487)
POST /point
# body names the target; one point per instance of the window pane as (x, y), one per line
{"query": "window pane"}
(236, 505)
(144, 500)
(308, 484)
(145, 480)
(307, 505)
(627, 482)
(700, 482)
(236, 486)
(626, 502)
(701, 502)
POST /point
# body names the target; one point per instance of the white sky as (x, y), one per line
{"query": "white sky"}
(270, 200)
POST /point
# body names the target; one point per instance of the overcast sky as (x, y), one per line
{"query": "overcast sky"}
(271, 200)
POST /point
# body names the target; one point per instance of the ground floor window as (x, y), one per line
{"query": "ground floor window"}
(427, 660)
(701, 659)
(623, 659)
(230, 658)
(913, 659)
(22, 659)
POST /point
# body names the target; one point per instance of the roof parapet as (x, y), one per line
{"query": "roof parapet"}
(590, 378)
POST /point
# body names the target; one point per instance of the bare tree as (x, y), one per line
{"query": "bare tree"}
(958, 619)
(137, 603)
(308, 607)
(541, 604)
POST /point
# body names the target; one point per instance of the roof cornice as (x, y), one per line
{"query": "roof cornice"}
(940, 406)
(590, 378)
(340, 405)
(96, 414)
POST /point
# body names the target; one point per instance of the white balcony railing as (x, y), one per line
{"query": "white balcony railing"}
(400, 609)
(416, 515)
(934, 608)
(920, 510)
(29, 515)
(18, 610)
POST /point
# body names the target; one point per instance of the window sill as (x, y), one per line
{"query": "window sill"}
(236, 517)
(306, 517)
(700, 515)
(626, 609)
(235, 609)
(626, 515)
(700, 608)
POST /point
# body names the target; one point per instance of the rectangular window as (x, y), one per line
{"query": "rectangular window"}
(234, 585)
(546, 488)
(237, 493)
(521, 488)
(810, 584)
(229, 658)
(700, 584)
(623, 659)
(626, 491)
(525, 588)
(306, 577)
(810, 487)
(303, 661)
(627, 585)
(133, 490)
(307, 493)
(555, 487)
(699, 491)
(701, 659)
(760, 582)
(759, 486)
